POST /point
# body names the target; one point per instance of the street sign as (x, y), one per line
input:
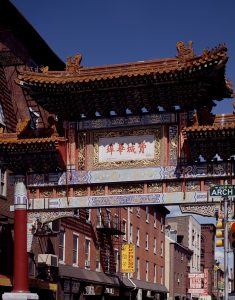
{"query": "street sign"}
(222, 190)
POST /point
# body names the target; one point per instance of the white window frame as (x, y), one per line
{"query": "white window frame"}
(75, 235)
(87, 254)
(147, 271)
(155, 217)
(116, 258)
(162, 275)
(161, 249)
(3, 187)
(62, 246)
(154, 273)
(88, 214)
(147, 241)
(124, 224)
(137, 237)
(155, 245)
(162, 224)
(138, 267)
(131, 233)
(97, 259)
(138, 211)
(147, 214)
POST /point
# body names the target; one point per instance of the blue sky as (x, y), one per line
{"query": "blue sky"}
(110, 32)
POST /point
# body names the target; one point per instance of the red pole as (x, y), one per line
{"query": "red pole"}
(20, 283)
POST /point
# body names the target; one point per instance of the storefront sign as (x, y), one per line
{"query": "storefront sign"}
(128, 258)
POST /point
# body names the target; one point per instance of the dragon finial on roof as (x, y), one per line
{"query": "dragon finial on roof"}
(74, 63)
(183, 51)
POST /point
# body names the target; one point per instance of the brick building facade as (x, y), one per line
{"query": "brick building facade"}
(208, 253)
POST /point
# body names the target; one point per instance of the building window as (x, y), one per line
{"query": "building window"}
(62, 246)
(155, 273)
(108, 218)
(87, 253)
(3, 177)
(97, 259)
(147, 242)
(137, 236)
(155, 217)
(99, 217)
(161, 249)
(138, 267)
(2, 117)
(88, 215)
(147, 214)
(116, 257)
(138, 211)
(162, 275)
(124, 229)
(131, 233)
(107, 259)
(75, 249)
(155, 246)
(162, 224)
(147, 271)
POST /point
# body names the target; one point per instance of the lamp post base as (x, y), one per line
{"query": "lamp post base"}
(20, 296)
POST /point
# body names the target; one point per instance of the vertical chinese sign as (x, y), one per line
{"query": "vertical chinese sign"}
(128, 258)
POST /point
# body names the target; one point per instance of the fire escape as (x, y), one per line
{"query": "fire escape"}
(109, 229)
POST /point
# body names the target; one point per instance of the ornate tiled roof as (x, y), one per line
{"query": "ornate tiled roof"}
(184, 62)
(186, 81)
(27, 149)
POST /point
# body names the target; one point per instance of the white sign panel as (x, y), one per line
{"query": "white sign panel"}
(124, 148)
(196, 291)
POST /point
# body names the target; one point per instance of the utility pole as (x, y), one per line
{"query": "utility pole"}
(226, 248)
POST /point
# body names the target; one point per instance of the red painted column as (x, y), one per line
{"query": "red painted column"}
(20, 283)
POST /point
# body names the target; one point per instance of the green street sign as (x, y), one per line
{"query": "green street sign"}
(222, 190)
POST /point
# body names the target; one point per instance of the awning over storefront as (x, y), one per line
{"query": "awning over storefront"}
(149, 286)
(88, 276)
(33, 283)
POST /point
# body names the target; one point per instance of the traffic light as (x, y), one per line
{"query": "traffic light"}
(220, 233)
(231, 235)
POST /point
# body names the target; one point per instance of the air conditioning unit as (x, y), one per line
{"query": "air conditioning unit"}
(48, 260)
(89, 290)
(87, 264)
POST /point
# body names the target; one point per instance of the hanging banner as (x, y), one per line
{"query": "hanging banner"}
(128, 258)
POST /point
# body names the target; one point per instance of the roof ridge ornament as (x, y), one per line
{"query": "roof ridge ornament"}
(184, 52)
(73, 63)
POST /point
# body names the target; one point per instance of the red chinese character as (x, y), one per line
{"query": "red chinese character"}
(110, 149)
(131, 148)
(142, 146)
(121, 148)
